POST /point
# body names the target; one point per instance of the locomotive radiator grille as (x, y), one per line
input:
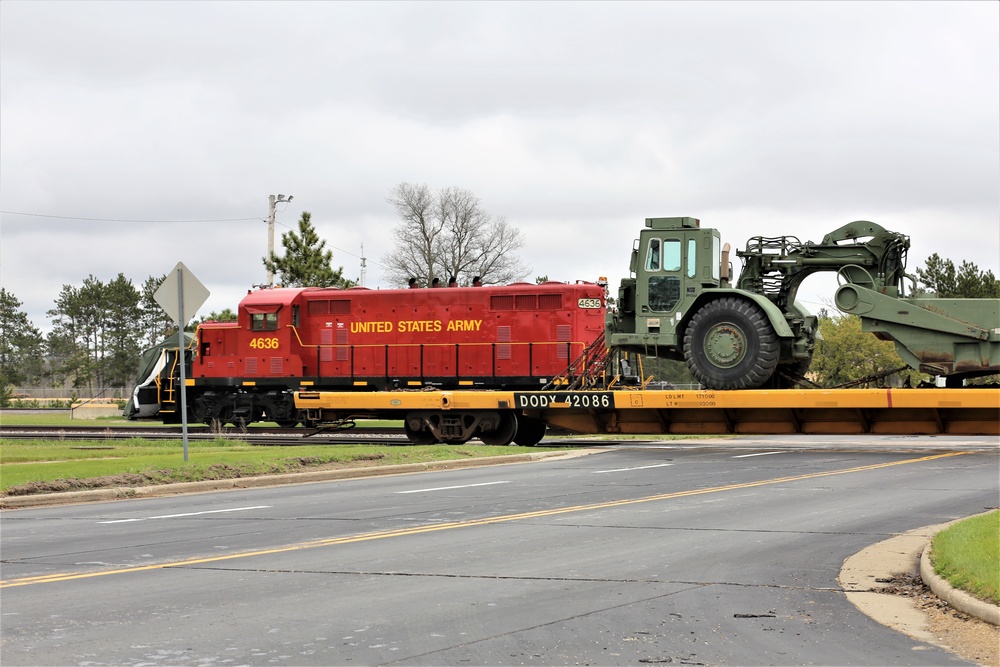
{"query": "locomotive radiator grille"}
(503, 342)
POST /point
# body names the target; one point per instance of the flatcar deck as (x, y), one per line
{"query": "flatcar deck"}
(624, 411)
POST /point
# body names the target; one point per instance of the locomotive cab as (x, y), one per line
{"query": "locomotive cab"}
(267, 344)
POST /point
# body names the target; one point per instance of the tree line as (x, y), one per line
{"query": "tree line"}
(99, 329)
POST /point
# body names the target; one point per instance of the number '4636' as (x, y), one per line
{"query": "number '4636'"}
(264, 343)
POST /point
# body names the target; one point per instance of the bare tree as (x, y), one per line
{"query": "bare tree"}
(448, 234)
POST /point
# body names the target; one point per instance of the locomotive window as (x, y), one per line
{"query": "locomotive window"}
(692, 257)
(295, 316)
(550, 301)
(653, 255)
(525, 302)
(264, 322)
(672, 255)
(664, 293)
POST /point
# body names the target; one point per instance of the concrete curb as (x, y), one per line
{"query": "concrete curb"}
(126, 493)
(862, 576)
(958, 599)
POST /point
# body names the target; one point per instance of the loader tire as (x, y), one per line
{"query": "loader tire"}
(730, 344)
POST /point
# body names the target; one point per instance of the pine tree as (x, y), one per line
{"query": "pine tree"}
(305, 263)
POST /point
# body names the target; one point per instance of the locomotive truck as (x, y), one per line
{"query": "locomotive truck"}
(679, 303)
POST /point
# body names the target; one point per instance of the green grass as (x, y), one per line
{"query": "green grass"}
(967, 555)
(63, 419)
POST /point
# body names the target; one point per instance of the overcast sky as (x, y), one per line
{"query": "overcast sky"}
(575, 121)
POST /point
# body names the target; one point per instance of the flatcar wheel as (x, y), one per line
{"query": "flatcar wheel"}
(504, 433)
(287, 423)
(530, 431)
(418, 437)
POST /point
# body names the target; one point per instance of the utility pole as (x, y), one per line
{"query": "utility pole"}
(363, 264)
(271, 201)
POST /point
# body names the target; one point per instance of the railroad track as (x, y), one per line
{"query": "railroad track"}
(278, 437)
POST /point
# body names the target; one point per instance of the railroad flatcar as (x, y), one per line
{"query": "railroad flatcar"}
(514, 337)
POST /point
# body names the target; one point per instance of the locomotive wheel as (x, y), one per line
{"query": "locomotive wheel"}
(729, 344)
(418, 437)
(530, 431)
(504, 434)
(223, 416)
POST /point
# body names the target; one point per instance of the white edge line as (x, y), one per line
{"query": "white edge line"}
(174, 516)
(448, 488)
(658, 465)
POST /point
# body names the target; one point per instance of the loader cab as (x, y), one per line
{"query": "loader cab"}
(673, 260)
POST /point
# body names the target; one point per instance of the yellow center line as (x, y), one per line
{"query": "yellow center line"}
(401, 532)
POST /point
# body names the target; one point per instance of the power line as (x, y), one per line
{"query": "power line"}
(346, 252)
(74, 217)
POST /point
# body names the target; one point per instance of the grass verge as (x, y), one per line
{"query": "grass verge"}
(32, 467)
(967, 556)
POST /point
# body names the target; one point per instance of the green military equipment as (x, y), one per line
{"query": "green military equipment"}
(680, 303)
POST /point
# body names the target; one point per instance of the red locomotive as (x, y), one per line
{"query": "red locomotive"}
(515, 337)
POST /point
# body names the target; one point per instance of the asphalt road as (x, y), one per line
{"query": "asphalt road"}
(705, 553)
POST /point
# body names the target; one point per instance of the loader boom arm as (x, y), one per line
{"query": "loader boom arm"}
(863, 252)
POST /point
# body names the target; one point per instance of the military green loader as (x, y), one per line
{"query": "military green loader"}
(680, 303)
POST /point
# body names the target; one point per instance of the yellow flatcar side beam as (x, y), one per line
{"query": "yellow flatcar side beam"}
(889, 411)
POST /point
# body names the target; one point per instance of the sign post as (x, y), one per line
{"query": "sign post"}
(181, 295)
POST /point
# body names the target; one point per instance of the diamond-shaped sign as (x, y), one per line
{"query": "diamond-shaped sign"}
(181, 294)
